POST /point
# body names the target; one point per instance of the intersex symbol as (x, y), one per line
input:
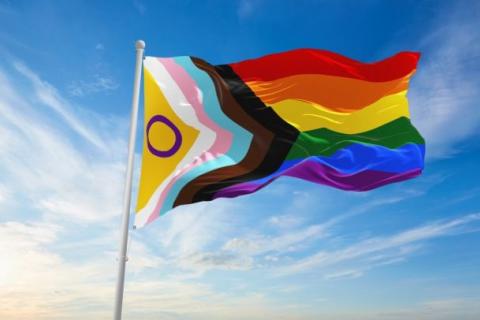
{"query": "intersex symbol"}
(178, 137)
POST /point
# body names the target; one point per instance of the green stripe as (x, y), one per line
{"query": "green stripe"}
(324, 142)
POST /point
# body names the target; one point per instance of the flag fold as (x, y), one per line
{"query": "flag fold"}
(228, 130)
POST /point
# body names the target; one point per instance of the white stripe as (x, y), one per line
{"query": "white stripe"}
(186, 113)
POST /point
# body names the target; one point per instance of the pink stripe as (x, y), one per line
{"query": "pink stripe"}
(192, 93)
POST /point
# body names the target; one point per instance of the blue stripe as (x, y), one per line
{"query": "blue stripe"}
(358, 157)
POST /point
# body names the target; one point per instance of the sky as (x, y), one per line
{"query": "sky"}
(294, 250)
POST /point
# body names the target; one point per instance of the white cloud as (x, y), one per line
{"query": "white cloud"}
(194, 228)
(444, 93)
(33, 279)
(50, 97)
(191, 236)
(292, 234)
(381, 249)
(285, 221)
(464, 308)
(61, 176)
(36, 281)
(144, 257)
(344, 274)
(100, 80)
(100, 83)
(204, 261)
(256, 244)
(449, 309)
(4, 193)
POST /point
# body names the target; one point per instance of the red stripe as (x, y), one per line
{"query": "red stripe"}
(312, 61)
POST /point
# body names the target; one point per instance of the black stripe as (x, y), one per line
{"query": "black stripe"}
(285, 134)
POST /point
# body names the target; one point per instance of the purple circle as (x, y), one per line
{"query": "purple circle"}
(178, 137)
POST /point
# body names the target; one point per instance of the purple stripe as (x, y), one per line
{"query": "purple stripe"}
(319, 173)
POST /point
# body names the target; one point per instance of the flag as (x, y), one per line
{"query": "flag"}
(228, 130)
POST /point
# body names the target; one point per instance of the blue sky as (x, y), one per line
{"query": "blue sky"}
(294, 250)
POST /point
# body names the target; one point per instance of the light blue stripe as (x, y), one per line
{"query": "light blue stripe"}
(241, 138)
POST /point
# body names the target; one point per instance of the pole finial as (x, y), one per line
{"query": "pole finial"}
(140, 44)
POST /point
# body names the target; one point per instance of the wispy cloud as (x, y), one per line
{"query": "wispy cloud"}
(49, 286)
(36, 290)
(61, 176)
(139, 6)
(378, 248)
(191, 236)
(444, 92)
(285, 221)
(204, 261)
(261, 244)
(344, 274)
(100, 79)
(465, 308)
(50, 97)
(4, 193)
(98, 84)
(246, 8)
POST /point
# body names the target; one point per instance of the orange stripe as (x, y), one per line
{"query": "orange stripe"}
(336, 93)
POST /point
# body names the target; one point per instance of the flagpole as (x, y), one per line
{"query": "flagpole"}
(122, 256)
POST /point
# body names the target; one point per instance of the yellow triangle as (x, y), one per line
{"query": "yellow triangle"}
(156, 169)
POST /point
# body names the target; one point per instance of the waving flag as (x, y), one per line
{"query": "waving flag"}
(228, 130)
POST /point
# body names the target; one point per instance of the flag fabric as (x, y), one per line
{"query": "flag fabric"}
(228, 130)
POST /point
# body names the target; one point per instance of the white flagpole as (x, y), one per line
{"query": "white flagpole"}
(122, 257)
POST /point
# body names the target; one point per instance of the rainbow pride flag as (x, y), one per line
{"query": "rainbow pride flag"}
(228, 130)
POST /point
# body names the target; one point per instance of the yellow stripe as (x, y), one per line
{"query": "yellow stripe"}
(154, 169)
(307, 116)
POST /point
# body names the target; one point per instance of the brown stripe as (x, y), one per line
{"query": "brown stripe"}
(258, 149)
